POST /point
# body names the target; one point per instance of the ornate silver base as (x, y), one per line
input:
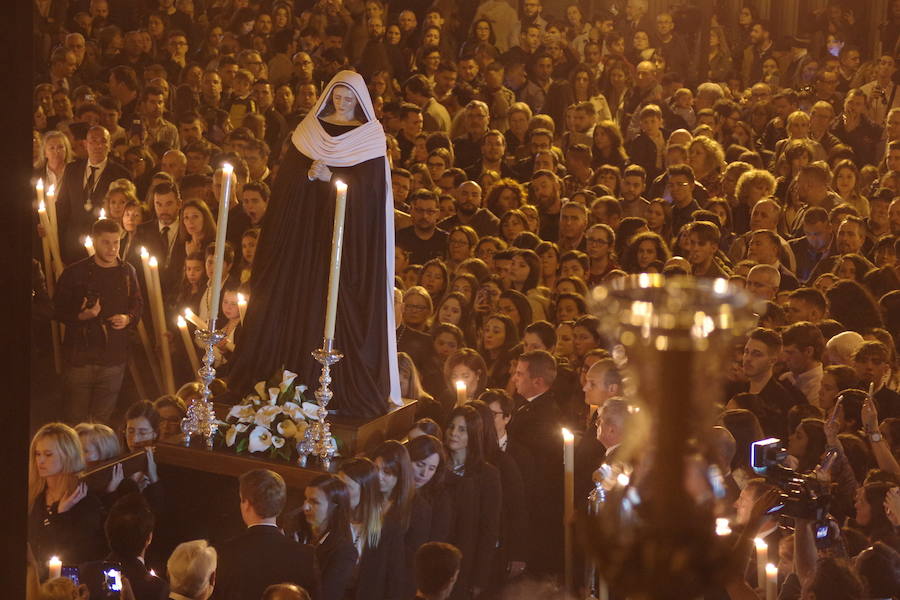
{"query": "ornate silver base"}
(201, 417)
(318, 440)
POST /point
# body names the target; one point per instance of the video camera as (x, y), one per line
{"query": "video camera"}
(803, 495)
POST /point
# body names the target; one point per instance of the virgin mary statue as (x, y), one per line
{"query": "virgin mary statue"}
(340, 138)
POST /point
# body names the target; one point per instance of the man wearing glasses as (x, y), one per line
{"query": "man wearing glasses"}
(423, 240)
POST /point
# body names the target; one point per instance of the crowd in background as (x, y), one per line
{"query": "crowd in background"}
(537, 150)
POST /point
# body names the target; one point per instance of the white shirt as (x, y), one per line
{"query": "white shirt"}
(502, 442)
(87, 172)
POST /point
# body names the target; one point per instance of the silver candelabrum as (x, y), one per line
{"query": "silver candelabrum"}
(201, 417)
(318, 441)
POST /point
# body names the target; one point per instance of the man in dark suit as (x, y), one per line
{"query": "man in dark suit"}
(536, 425)
(161, 238)
(129, 531)
(263, 555)
(82, 192)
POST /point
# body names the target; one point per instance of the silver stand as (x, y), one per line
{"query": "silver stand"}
(201, 417)
(318, 440)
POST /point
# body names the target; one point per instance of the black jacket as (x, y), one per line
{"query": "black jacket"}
(95, 342)
(381, 569)
(337, 559)
(74, 218)
(260, 557)
(477, 501)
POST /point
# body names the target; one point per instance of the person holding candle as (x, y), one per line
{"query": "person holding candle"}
(206, 308)
(193, 283)
(64, 519)
(98, 300)
(340, 138)
(475, 489)
(230, 322)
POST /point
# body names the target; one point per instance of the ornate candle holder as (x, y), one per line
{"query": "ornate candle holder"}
(318, 440)
(651, 537)
(201, 417)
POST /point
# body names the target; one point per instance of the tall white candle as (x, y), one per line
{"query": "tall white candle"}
(461, 393)
(194, 319)
(224, 203)
(54, 565)
(52, 241)
(102, 213)
(189, 347)
(242, 306)
(39, 190)
(569, 501)
(54, 223)
(762, 557)
(160, 321)
(771, 581)
(337, 244)
(89, 245)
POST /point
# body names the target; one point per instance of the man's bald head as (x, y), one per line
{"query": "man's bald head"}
(285, 591)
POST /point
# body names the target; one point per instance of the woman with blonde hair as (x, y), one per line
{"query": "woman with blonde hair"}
(98, 442)
(120, 194)
(64, 519)
(706, 157)
(55, 154)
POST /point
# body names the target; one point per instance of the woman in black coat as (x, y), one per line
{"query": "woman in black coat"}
(429, 464)
(325, 524)
(379, 541)
(512, 552)
(475, 488)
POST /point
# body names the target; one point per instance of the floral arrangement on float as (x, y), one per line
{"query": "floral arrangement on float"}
(271, 420)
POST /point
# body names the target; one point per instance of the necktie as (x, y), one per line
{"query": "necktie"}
(165, 241)
(88, 205)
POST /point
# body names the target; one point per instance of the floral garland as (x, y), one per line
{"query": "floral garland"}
(271, 420)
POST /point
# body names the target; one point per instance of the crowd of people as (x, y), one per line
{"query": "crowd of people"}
(536, 151)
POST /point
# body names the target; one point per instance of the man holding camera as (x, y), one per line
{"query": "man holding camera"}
(98, 300)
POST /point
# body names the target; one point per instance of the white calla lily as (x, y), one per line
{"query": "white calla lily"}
(230, 436)
(273, 396)
(267, 414)
(260, 440)
(277, 441)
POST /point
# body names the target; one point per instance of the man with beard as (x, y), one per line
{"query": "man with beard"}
(545, 186)
(470, 212)
(851, 237)
(702, 244)
(806, 304)
(815, 243)
(573, 222)
(467, 148)
(493, 149)
(761, 352)
(423, 240)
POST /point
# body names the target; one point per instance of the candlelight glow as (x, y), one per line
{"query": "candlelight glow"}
(102, 213)
(181, 322)
(88, 242)
(227, 168)
(39, 186)
(567, 435)
(771, 570)
(460, 385)
(42, 207)
(144, 253)
(340, 185)
(153, 262)
(723, 527)
(760, 544)
(241, 299)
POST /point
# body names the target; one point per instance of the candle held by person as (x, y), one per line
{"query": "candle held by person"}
(44, 219)
(569, 502)
(242, 306)
(54, 566)
(337, 243)
(723, 527)
(160, 322)
(771, 581)
(89, 245)
(762, 557)
(189, 347)
(461, 393)
(222, 227)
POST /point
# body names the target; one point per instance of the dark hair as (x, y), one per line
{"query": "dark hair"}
(815, 444)
(395, 459)
(834, 579)
(129, 525)
(544, 330)
(338, 498)
(853, 306)
(745, 427)
(101, 226)
(523, 307)
(879, 569)
(474, 430)
(143, 408)
(428, 427)
(804, 334)
(265, 490)
(489, 442)
(540, 364)
(436, 563)
(423, 446)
